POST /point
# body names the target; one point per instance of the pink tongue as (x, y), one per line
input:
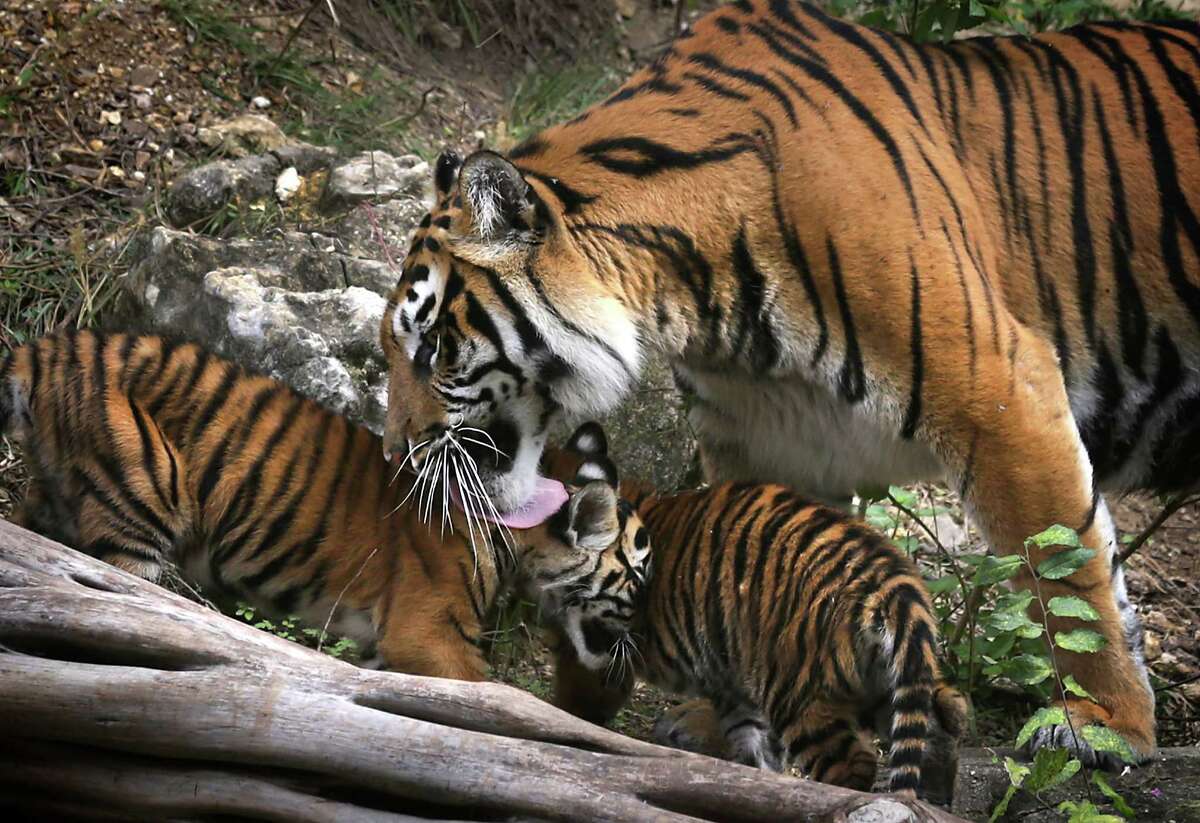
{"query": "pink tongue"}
(547, 498)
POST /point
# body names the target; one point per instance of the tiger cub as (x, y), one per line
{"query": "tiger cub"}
(803, 626)
(145, 451)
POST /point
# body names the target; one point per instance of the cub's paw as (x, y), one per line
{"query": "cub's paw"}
(693, 726)
(1096, 738)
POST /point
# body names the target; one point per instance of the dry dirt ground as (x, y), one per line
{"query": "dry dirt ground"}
(101, 104)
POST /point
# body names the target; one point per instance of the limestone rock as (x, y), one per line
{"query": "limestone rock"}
(260, 151)
(377, 176)
(380, 231)
(311, 340)
(649, 436)
(202, 192)
(286, 305)
(243, 136)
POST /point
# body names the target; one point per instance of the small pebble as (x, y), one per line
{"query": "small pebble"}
(287, 184)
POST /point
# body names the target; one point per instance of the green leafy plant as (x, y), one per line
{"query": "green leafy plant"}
(290, 628)
(941, 20)
(993, 645)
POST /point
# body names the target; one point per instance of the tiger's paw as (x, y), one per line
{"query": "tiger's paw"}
(1133, 743)
(693, 726)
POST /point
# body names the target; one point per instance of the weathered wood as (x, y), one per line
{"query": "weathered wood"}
(122, 699)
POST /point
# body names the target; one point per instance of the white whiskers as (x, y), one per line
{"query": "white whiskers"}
(447, 463)
(621, 658)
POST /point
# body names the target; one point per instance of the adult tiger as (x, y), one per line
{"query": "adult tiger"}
(869, 261)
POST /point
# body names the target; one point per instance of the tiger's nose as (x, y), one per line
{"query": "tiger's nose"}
(427, 444)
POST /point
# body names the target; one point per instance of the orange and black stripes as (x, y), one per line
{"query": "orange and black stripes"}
(795, 620)
(146, 452)
(868, 261)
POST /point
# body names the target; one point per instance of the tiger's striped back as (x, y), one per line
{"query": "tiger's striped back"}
(797, 621)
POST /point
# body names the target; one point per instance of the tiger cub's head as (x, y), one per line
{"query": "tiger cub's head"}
(495, 325)
(599, 610)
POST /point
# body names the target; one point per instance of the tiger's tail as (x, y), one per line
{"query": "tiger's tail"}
(924, 706)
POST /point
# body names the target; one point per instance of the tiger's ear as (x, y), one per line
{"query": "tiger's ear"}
(596, 468)
(589, 440)
(500, 205)
(592, 522)
(445, 173)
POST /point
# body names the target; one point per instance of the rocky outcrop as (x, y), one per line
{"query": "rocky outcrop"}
(304, 305)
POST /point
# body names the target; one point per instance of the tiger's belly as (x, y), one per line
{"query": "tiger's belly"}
(788, 430)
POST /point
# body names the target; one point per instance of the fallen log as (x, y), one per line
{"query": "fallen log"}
(121, 700)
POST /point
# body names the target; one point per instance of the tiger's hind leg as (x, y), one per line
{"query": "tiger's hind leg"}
(728, 729)
(831, 746)
(748, 736)
(130, 484)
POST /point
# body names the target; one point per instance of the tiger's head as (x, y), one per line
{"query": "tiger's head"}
(497, 324)
(598, 612)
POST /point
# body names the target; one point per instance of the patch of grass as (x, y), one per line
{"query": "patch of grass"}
(44, 287)
(342, 118)
(207, 21)
(543, 97)
(412, 18)
(356, 122)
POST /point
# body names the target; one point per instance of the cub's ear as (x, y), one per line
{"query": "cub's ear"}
(596, 468)
(589, 439)
(592, 522)
(499, 203)
(445, 173)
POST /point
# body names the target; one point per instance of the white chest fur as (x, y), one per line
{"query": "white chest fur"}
(788, 430)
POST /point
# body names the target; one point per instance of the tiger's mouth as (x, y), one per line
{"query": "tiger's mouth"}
(492, 448)
(548, 497)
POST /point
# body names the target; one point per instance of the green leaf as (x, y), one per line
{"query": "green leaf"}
(1056, 535)
(903, 496)
(1014, 600)
(1017, 772)
(1048, 716)
(1047, 765)
(1070, 770)
(1072, 607)
(1006, 621)
(941, 585)
(1060, 565)
(1104, 739)
(1027, 669)
(1030, 632)
(1124, 809)
(1073, 687)
(1085, 812)
(996, 569)
(1080, 640)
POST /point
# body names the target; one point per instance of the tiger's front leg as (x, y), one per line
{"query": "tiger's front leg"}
(591, 695)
